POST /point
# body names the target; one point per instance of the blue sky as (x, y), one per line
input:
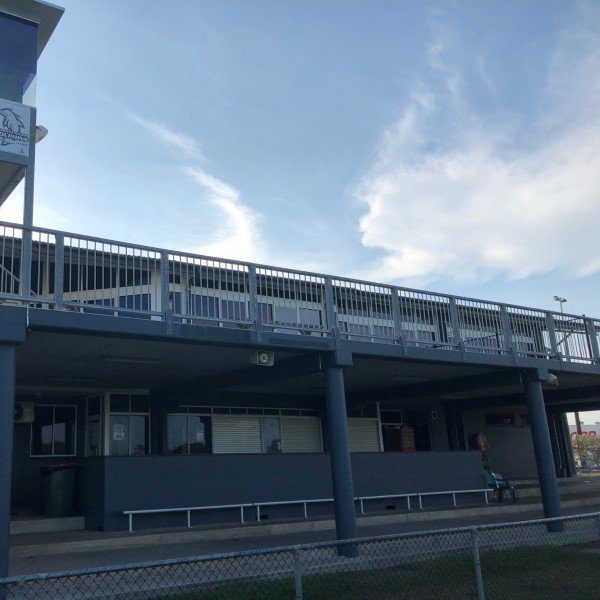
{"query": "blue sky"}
(447, 145)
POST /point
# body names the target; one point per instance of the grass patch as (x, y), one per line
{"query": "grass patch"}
(547, 572)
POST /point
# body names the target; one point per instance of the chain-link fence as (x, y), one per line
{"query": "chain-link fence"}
(547, 558)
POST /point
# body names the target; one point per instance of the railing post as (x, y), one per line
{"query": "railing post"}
(552, 334)
(455, 324)
(59, 270)
(297, 574)
(255, 312)
(506, 329)
(330, 307)
(477, 563)
(26, 255)
(592, 339)
(165, 305)
(397, 316)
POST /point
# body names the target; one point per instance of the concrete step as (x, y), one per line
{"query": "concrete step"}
(20, 525)
(592, 488)
(29, 546)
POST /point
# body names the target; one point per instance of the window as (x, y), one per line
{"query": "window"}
(93, 427)
(234, 310)
(188, 434)
(135, 302)
(271, 435)
(203, 306)
(129, 425)
(53, 431)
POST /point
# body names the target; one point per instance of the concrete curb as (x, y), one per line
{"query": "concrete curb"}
(252, 531)
(46, 525)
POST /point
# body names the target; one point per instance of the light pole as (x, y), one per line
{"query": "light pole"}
(561, 301)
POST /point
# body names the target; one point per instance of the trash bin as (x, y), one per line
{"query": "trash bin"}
(58, 484)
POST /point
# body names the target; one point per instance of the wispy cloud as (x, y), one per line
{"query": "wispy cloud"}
(453, 194)
(238, 234)
(173, 140)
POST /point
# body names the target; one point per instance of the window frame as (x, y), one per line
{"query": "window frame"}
(129, 414)
(189, 413)
(52, 454)
(101, 422)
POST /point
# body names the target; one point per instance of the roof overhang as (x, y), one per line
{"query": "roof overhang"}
(46, 15)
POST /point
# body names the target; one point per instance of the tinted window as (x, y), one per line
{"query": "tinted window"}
(64, 430)
(41, 431)
(53, 431)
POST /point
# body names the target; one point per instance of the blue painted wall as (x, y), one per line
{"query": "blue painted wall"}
(170, 481)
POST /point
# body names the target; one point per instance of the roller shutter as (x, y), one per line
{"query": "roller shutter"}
(301, 434)
(236, 434)
(364, 435)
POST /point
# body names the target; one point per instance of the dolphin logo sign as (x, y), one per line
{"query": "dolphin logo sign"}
(14, 134)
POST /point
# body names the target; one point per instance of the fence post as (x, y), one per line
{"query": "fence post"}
(255, 313)
(59, 270)
(330, 306)
(20, 593)
(455, 325)
(551, 327)
(506, 330)
(165, 305)
(397, 317)
(298, 574)
(592, 339)
(477, 562)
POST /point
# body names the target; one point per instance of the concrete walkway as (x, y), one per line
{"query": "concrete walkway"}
(41, 553)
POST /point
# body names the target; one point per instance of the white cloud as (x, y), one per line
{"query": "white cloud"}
(452, 194)
(169, 138)
(238, 235)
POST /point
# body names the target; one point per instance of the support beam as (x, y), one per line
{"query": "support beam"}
(7, 409)
(532, 382)
(339, 453)
(568, 447)
(28, 195)
(482, 383)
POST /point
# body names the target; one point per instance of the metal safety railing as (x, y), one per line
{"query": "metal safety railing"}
(257, 506)
(58, 270)
(553, 558)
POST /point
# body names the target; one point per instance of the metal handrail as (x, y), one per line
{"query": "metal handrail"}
(305, 503)
(158, 250)
(369, 311)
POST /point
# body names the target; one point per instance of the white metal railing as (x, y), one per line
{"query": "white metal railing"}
(304, 503)
(58, 270)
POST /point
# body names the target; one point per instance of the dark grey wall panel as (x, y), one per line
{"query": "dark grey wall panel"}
(178, 481)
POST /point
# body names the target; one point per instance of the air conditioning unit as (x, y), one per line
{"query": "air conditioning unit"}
(24, 412)
(263, 358)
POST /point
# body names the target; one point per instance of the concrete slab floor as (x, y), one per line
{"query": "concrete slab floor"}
(116, 555)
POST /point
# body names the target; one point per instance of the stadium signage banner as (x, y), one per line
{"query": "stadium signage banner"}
(15, 122)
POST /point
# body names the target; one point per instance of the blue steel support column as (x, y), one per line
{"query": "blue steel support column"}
(566, 436)
(339, 453)
(7, 409)
(532, 381)
(26, 244)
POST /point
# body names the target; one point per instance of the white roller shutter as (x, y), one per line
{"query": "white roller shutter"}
(364, 435)
(301, 434)
(235, 434)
